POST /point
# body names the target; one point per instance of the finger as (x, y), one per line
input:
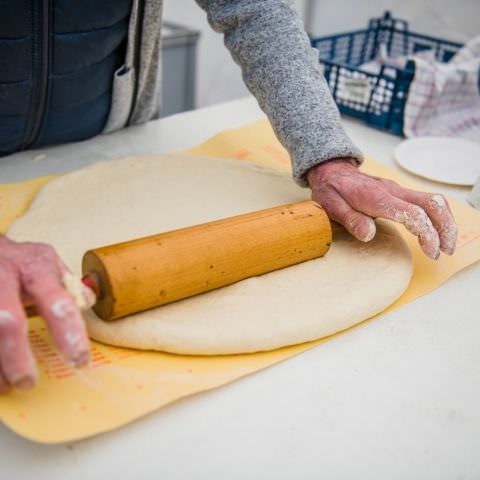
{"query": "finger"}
(58, 309)
(379, 203)
(16, 359)
(359, 225)
(437, 208)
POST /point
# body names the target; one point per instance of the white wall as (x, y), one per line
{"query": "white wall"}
(454, 20)
(219, 78)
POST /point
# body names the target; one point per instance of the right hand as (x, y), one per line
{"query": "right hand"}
(33, 272)
(354, 199)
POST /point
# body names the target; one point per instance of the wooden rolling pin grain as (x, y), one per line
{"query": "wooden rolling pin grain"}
(148, 272)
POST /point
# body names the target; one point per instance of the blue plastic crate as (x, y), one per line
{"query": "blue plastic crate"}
(377, 99)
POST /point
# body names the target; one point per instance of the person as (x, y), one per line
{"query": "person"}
(72, 70)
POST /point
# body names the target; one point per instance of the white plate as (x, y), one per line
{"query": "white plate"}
(442, 159)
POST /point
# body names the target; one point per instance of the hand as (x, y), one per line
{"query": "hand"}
(354, 199)
(33, 272)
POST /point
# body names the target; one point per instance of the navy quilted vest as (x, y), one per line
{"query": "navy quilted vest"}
(57, 60)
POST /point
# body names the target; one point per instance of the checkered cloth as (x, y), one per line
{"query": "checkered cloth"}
(444, 98)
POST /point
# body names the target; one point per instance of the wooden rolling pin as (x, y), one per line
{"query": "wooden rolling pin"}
(148, 272)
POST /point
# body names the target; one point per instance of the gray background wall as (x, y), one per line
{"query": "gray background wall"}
(219, 79)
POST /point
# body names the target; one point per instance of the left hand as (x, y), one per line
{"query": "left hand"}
(354, 199)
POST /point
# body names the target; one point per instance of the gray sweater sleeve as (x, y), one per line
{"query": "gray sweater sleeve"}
(267, 39)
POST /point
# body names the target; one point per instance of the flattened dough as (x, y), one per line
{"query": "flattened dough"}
(130, 198)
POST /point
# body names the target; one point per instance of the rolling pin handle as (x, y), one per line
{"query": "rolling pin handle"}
(91, 281)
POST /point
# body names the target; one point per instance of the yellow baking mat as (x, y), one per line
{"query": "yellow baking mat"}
(122, 385)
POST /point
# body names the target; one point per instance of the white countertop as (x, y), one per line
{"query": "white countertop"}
(398, 397)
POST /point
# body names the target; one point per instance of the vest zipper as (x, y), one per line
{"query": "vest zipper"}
(137, 50)
(40, 70)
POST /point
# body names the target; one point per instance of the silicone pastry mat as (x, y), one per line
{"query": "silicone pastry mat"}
(121, 384)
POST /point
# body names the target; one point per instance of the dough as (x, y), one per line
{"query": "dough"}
(124, 199)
